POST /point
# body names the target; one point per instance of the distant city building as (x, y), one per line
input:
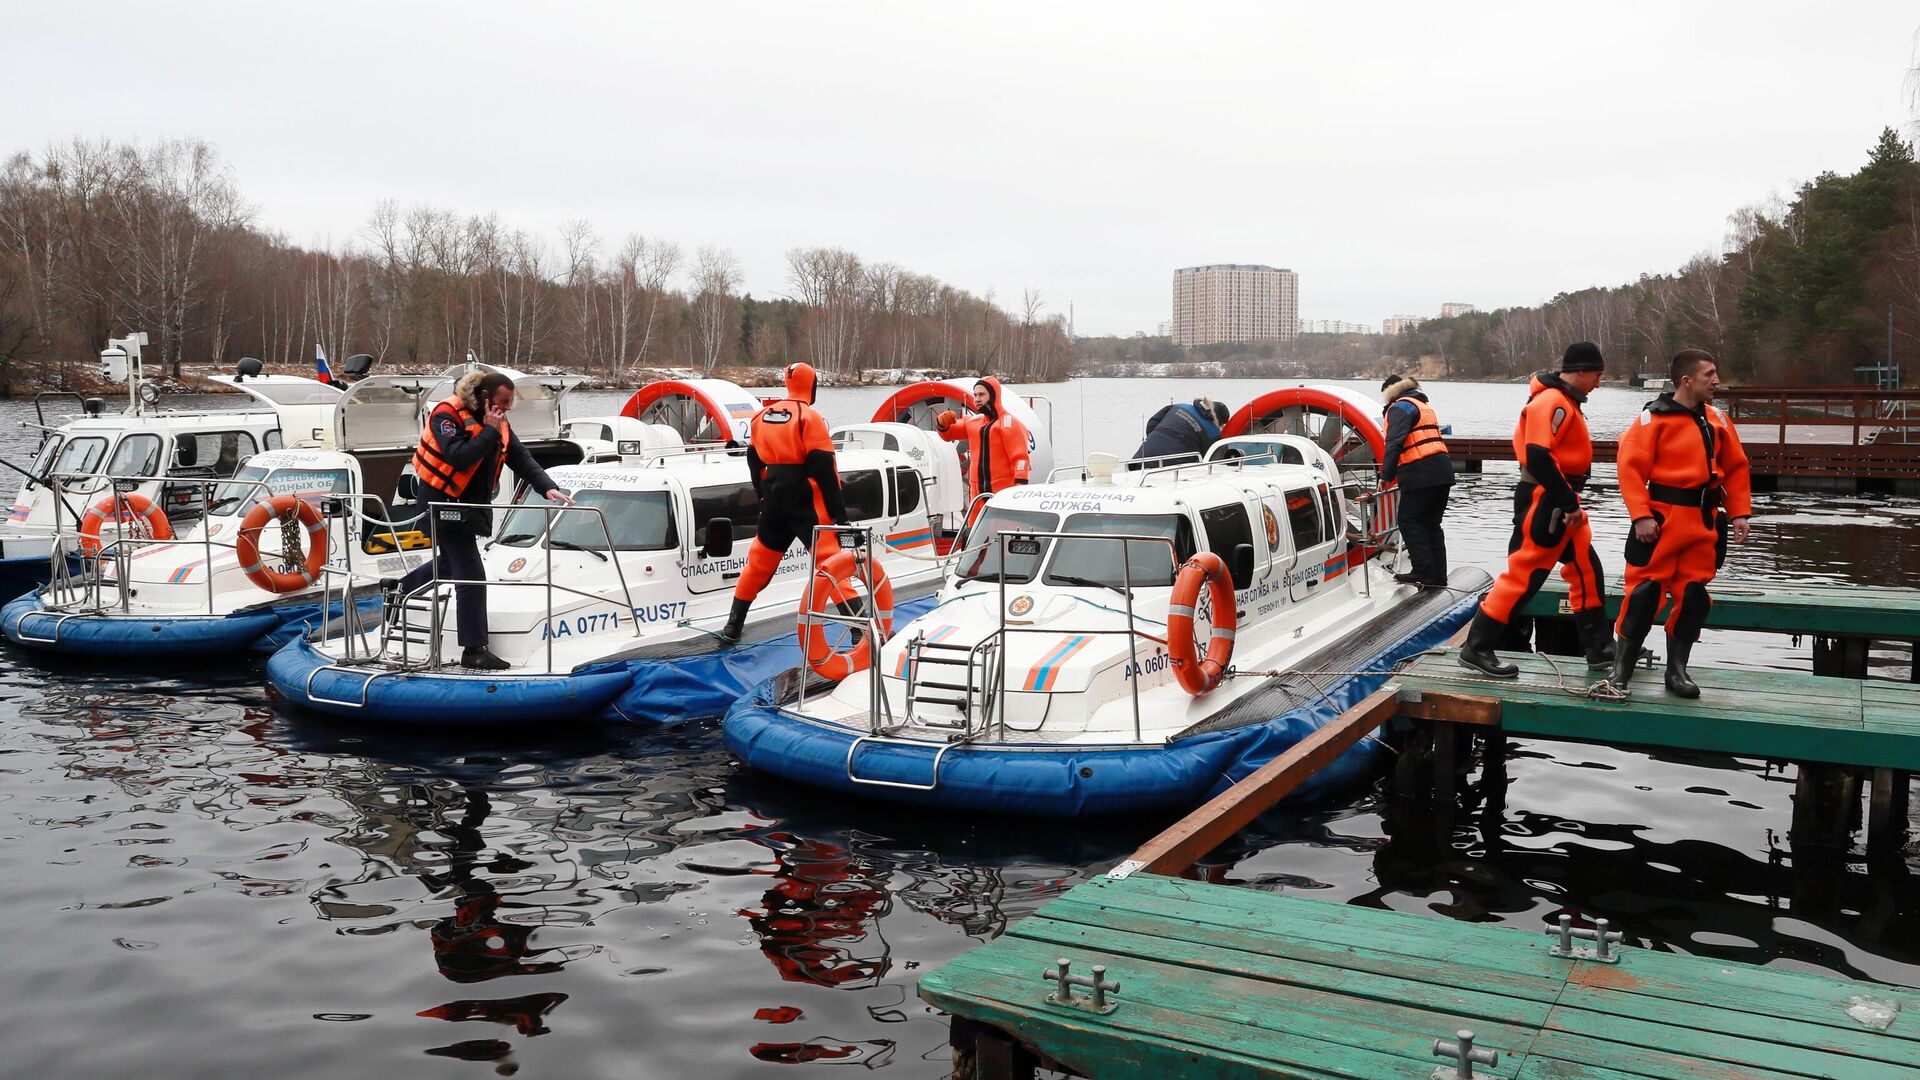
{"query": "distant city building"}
(1455, 310)
(1401, 324)
(1164, 329)
(1334, 326)
(1234, 302)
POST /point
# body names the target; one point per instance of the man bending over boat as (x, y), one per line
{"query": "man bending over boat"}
(1181, 432)
(790, 459)
(1549, 524)
(463, 448)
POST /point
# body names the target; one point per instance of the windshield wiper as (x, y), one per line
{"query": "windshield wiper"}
(568, 545)
(1070, 579)
(513, 537)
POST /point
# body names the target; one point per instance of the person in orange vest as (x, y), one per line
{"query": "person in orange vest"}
(790, 459)
(463, 448)
(1688, 487)
(1416, 461)
(997, 443)
(1549, 524)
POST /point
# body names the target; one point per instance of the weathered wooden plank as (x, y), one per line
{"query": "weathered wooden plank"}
(1281, 1014)
(1705, 1013)
(1417, 989)
(1766, 992)
(1227, 813)
(1543, 985)
(1780, 607)
(1658, 1061)
(1141, 1040)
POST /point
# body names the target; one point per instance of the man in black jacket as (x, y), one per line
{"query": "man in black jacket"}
(1180, 432)
(1416, 459)
(464, 446)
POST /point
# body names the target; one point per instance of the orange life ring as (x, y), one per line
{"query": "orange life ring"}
(247, 544)
(139, 508)
(1199, 674)
(838, 573)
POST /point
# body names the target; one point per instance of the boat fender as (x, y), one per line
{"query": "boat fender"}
(832, 584)
(247, 544)
(138, 506)
(1199, 674)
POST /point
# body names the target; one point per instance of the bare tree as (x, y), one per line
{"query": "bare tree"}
(716, 322)
(831, 282)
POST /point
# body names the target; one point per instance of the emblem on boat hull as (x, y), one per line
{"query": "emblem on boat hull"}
(1021, 605)
(516, 566)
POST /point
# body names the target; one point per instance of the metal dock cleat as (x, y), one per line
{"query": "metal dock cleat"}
(1097, 982)
(1602, 938)
(1465, 1057)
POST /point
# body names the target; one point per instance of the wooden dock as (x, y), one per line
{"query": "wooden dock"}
(1216, 982)
(1843, 620)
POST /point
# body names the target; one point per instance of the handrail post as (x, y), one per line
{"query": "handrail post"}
(1133, 642)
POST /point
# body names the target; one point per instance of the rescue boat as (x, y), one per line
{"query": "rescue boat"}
(177, 452)
(611, 608)
(248, 572)
(1117, 640)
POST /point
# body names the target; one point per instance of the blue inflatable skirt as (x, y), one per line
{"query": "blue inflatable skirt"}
(130, 638)
(655, 689)
(1051, 780)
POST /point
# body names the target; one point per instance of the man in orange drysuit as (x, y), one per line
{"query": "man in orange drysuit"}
(790, 458)
(1555, 453)
(997, 443)
(1687, 485)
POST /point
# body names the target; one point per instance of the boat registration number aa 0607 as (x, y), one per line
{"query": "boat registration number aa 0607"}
(1152, 665)
(569, 626)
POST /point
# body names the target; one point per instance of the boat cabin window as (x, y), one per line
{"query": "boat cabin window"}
(906, 491)
(1328, 518)
(1023, 556)
(1227, 527)
(214, 454)
(272, 440)
(82, 456)
(736, 502)
(309, 485)
(1303, 516)
(1260, 453)
(48, 453)
(1112, 562)
(137, 455)
(636, 521)
(866, 496)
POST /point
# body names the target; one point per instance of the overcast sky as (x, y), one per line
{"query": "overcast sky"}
(1395, 156)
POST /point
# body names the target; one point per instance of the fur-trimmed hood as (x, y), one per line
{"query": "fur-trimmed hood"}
(468, 391)
(1399, 388)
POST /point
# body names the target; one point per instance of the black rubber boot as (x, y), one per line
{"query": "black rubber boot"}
(1478, 653)
(1679, 683)
(1637, 612)
(1596, 637)
(482, 659)
(1626, 654)
(736, 621)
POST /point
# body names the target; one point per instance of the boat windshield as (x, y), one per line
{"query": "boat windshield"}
(637, 521)
(1023, 556)
(82, 456)
(48, 454)
(1116, 563)
(238, 495)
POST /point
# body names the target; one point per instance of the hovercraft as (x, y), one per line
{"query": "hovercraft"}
(1116, 641)
(610, 609)
(250, 573)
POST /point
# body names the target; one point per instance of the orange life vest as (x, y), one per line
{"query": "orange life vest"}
(786, 431)
(429, 460)
(1423, 440)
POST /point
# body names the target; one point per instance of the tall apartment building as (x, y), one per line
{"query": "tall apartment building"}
(1401, 324)
(1455, 310)
(1335, 326)
(1234, 302)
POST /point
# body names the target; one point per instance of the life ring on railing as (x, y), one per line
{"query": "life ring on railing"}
(837, 573)
(1199, 674)
(139, 508)
(247, 544)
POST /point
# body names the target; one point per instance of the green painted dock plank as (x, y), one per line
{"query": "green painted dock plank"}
(1779, 607)
(1751, 713)
(1224, 982)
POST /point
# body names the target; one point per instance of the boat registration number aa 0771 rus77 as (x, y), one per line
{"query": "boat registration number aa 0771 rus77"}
(569, 626)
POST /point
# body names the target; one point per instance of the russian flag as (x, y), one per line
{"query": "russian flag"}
(320, 369)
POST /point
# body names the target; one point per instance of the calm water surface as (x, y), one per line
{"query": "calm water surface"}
(195, 881)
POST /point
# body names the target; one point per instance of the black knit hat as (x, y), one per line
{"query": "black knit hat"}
(1221, 414)
(1582, 356)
